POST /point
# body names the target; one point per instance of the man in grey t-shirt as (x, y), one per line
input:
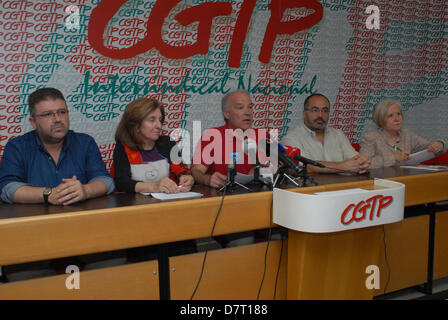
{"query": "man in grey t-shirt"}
(328, 146)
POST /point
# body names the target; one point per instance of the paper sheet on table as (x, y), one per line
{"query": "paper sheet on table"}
(418, 157)
(243, 178)
(173, 196)
(427, 167)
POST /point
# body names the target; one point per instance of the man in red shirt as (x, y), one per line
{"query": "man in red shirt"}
(216, 146)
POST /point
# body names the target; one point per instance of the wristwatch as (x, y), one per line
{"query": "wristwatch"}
(47, 192)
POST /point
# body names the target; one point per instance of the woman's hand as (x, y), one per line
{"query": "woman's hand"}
(401, 156)
(185, 183)
(167, 185)
(435, 147)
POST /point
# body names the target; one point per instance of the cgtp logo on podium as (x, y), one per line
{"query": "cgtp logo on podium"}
(380, 202)
(359, 211)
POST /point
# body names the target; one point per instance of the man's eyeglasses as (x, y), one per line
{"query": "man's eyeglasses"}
(317, 110)
(50, 114)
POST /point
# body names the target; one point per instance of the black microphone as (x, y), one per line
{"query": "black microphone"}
(308, 161)
(282, 155)
(231, 168)
(286, 159)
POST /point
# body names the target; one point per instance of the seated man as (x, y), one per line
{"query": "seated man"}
(212, 153)
(211, 169)
(328, 146)
(52, 164)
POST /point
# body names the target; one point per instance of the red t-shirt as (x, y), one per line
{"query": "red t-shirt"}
(216, 146)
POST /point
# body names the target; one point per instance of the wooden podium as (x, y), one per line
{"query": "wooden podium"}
(335, 236)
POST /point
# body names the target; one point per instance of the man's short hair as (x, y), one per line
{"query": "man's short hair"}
(42, 95)
(306, 102)
(224, 100)
(380, 111)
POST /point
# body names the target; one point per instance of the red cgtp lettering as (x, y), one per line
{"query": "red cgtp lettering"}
(276, 26)
(359, 211)
(203, 13)
(239, 34)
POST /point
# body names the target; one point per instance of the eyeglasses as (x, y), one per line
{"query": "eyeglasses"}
(50, 114)
(317, 110)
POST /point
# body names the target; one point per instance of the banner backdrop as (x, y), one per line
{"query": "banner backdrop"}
(187, 54)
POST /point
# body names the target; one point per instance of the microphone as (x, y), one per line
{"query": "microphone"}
(295, 154)
(292, 151)
(231, 167)
(286, 159)
(265, 173)
(282, 155)
(308, 161)
(249, 147)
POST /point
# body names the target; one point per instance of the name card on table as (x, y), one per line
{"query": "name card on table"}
(340, 210)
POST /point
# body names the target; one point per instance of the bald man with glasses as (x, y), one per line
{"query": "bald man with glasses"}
(328, 146)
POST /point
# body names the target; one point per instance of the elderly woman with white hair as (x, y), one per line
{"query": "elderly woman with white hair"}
(390, 144)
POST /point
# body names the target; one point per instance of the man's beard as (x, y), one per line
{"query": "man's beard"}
(318, 127)
(50, 137)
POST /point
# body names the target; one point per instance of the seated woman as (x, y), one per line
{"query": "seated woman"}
(391, 144)
(142, 156)
(142, 163)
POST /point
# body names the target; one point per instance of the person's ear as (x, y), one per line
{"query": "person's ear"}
(33, 122)
(226, 114)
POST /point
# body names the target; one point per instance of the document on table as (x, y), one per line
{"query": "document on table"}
(427, 167)
(418, 157)
(173, 196)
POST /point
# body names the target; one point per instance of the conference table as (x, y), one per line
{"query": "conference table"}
(322, 266)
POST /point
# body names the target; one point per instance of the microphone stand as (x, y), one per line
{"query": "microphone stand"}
(304, 170)
(306, 178)
(261, 181)
(257, 180)
(231, 184)
(282, 172)
(257, 171)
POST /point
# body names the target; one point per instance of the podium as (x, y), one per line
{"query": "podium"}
(335, 237)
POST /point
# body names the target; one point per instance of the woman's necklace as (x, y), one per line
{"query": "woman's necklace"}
(394, 142)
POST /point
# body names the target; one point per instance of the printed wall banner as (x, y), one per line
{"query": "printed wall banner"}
(187, 54)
